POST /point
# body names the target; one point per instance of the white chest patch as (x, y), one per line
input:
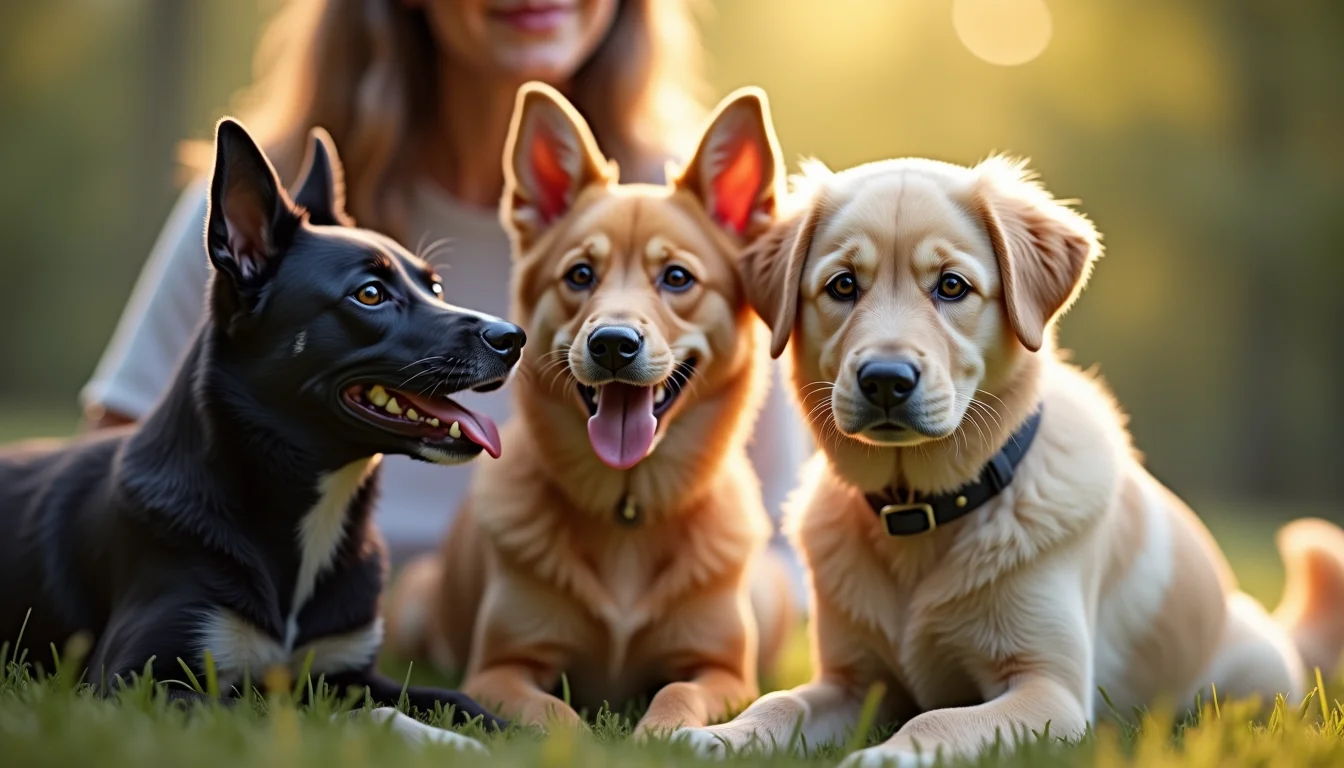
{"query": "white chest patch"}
(321, 531)
(240, 649)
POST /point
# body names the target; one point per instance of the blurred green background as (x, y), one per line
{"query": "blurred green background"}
(1206, 139)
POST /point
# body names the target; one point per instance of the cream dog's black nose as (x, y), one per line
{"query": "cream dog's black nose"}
(888, 384)
(614, 346)
(505, 338)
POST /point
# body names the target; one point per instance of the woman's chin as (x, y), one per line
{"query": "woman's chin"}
(551, 63)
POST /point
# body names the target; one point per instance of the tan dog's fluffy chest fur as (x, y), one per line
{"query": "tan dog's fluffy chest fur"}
(624, 608)
(918, 300)
(613, 554)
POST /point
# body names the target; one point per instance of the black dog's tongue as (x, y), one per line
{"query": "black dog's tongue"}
(477, 427)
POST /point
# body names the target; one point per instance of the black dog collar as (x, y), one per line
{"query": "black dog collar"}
(924, 513)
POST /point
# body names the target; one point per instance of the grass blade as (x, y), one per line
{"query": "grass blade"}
(1320, 686)
(191, 676)
(404, 701)
(304, 672)
(211, 676)
(867, 715)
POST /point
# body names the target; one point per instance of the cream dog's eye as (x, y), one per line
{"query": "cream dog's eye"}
(843, 287)
(952, 286)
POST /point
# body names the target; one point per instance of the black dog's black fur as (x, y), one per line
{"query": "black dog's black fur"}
(144, 536)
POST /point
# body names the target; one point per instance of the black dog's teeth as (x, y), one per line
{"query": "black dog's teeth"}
(378, 399)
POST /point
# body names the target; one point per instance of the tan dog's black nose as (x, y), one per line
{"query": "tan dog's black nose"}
(888, 384)
(614, 346)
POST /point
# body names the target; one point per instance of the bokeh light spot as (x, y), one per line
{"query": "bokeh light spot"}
(1003, 32)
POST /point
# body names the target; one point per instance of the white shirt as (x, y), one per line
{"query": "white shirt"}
(418, 499)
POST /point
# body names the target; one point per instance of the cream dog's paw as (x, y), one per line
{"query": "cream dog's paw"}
(889, 757)
(416, 732)
(703, 741)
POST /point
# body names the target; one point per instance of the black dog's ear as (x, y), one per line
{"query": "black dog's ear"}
(250, 220)
(321, 189)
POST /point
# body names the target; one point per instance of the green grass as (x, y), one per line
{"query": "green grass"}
(51, 718)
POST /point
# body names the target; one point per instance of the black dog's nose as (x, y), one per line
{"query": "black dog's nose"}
(505, 338)
(886, 384)
(614, 346)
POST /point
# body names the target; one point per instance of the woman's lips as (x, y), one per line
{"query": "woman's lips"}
(541, 19)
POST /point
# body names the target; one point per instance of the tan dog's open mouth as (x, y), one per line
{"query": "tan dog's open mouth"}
(623, 418)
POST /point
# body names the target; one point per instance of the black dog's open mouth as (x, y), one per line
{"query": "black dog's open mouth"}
(437, 421)
(664, 395)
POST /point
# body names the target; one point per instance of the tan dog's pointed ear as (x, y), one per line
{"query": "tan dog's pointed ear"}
(549, 158)
(736, 170)
(772, 267)
(1044, 248)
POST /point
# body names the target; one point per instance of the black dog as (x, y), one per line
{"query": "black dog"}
(236, 516)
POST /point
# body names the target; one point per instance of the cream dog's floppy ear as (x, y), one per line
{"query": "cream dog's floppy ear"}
(1044, 248)
(773, 266)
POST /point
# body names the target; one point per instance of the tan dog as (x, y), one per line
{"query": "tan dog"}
(614, 544)
(919, 297)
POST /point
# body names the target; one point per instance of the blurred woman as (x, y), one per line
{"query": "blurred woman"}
(418, 95)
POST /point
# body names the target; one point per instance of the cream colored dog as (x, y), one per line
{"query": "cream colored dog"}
(919, 297)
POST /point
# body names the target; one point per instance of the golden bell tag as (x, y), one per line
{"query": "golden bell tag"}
(629, 511)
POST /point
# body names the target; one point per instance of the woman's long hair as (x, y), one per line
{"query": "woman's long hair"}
(367, 70)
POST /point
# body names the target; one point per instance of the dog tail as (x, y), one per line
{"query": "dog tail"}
(409, 615)
(1312, 609)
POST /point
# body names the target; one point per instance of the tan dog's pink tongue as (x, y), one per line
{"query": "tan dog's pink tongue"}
(622, 430)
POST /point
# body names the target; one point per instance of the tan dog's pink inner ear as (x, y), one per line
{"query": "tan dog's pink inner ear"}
(1044, 249)
(736, 167)
(549, 158)
(552, 183)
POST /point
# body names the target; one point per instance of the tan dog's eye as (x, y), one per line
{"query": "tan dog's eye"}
(677, 279)
(580, 277)
(843, 287)
(952, 286)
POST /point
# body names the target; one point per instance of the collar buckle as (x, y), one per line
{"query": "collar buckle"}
(890, 510)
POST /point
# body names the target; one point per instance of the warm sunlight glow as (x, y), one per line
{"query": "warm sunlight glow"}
(1003, 32)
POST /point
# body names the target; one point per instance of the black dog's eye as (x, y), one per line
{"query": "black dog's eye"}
(952, 286)
(370, 294)
(677, 279)
(580, 277)
(437, 288)
(843, 287)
